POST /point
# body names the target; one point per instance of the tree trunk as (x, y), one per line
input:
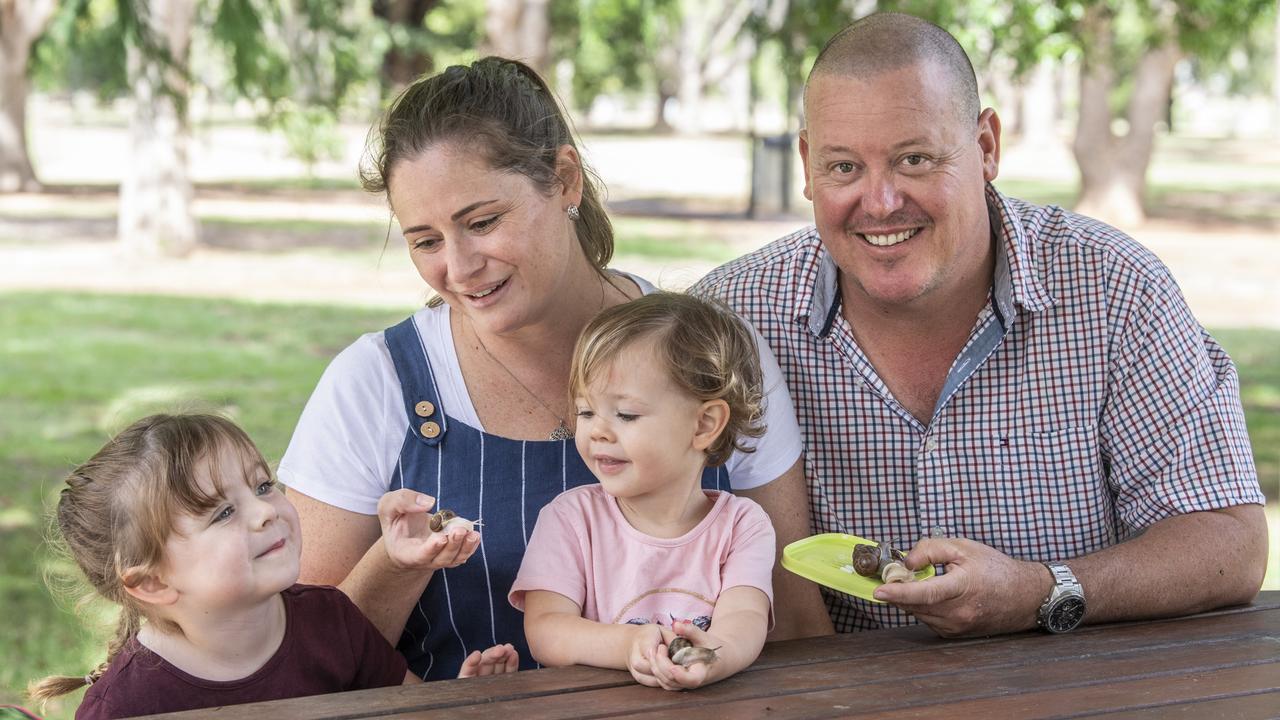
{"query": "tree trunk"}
(660, 123)
(1275, 75)
(518, 29)
(401, 66)
(1039, 112)
(1113, 169)
(21, 22)
(689, 80)
(156, 214)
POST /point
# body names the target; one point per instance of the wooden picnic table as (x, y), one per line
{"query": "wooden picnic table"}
(1218, 664)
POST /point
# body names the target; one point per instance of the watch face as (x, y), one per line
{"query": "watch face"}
(1065, 614)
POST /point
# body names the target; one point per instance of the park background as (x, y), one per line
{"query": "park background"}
(181, 225)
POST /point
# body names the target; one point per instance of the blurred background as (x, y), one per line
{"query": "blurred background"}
(181, 225)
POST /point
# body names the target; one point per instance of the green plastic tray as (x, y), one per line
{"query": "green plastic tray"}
(819, 558)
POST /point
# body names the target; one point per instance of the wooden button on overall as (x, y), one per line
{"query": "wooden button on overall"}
(429, 429)
(424, 409)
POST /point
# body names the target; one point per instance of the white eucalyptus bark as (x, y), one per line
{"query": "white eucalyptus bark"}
(1113, 168)
(519, 29)
(1275, 75)
(21, 23)
(156, 213)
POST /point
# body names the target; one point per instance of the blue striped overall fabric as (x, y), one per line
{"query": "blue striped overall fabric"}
(500, 481)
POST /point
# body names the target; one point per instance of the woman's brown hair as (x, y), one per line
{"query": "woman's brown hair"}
(118, 508)
(503, 110)
(706, 349)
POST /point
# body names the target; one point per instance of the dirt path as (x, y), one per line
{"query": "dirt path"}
(326, 246)
(1231, 276)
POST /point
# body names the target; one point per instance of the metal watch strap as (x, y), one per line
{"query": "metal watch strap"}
(1065, 585)
(1062, 576)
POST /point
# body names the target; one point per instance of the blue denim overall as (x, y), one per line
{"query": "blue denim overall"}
(505, 483)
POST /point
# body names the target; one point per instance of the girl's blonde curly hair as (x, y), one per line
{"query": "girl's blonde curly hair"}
(707, 350)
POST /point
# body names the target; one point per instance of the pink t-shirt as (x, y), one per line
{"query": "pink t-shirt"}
(584, 549)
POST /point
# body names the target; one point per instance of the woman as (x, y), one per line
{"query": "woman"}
(467, 400)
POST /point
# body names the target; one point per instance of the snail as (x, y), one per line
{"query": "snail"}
(685, 653)
(885, 561)
(866, 560)
(442, 520)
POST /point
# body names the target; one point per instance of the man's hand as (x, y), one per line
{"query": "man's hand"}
(984, 592)
(409, 541)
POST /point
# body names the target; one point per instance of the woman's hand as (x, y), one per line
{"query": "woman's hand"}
(671, 676)
(409, 541)
(497, 660)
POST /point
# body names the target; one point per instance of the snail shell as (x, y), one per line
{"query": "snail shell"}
(866, 560)
(883, 561)
(684, 653)
(443, 520)
(440, 519)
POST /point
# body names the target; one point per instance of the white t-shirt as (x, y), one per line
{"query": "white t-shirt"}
(349, 437)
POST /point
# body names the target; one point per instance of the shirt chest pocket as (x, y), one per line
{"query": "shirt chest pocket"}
(1037, 495)
(1060, 459)
(1059, 475)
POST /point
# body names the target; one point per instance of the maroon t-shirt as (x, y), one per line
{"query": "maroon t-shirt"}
(328, 646)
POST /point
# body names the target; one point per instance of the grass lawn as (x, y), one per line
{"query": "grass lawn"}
(76, 367)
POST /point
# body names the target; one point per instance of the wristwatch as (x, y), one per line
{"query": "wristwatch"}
(1063, 610)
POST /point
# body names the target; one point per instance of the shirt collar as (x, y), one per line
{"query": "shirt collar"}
(1016, 283)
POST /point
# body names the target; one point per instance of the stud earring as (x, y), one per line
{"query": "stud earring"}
(574, 215)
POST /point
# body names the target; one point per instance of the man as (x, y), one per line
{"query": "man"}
(1018, 384)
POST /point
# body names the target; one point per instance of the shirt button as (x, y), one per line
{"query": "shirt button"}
(429, 429)
(424, 408)
(930, 444)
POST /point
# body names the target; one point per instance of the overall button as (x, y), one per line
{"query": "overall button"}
(424, 409)
(429, 429)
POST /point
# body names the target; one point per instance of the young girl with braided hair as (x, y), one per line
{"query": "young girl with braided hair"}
(179, 521)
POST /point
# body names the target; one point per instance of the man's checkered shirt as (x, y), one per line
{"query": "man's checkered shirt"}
(1087, 405)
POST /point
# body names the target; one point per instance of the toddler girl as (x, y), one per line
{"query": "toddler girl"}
(178, 520)
(664, 386)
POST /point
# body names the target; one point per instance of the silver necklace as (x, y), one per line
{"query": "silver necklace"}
(561, 432)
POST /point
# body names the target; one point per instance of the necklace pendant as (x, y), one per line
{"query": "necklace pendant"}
(561, 432)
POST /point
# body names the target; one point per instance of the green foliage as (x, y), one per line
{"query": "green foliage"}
(1248, 66)
(802, 32)
(452, 32)
(311, 133)
(617, 44)
(258, 68)
(83, 49)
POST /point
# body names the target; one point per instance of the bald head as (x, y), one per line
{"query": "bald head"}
(883, 42)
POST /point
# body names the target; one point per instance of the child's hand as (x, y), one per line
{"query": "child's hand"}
(497, 660)
(647, 640)
(671, 676)
(409, 541)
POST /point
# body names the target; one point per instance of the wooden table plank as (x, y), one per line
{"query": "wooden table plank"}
(789, 678)
(427, 696)
(1259, 705)
(1057, 703)
(1090, 639)
(974, 673)
(1069, 702)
